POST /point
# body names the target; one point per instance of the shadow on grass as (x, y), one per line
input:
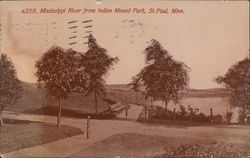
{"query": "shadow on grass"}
(187, 124)
(177, 123)
(12, 121)
(53, 111)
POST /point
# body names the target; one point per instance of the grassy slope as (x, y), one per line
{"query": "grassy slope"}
(34, 98)
(80, 102)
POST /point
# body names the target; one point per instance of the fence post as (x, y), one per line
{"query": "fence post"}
(174, 113)
(211, 115)
(126, 112)
(88, 126)
(227, 116)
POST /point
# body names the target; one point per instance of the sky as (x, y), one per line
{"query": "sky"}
(208, 36)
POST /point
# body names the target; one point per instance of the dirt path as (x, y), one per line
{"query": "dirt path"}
(132, 113)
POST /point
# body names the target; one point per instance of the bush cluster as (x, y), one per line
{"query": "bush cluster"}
(183, 114)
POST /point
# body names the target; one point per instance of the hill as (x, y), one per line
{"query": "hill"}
(33, 99)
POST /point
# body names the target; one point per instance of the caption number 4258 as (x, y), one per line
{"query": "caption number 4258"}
(29, 11)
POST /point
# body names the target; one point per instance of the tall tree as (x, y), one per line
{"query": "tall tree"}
(237, 80)
(10, 86)
(163, 77)
(57, 73)
(97, 63)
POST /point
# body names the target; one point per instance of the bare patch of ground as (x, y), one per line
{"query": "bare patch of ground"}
(125, 145)
(206, 150)
(20, 134)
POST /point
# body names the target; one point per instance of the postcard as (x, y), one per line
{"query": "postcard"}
(124, 79)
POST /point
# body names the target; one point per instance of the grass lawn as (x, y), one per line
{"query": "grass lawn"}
(19, 134)
(137, 145)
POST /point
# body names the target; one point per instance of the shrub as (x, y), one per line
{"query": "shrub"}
(158, 112)
(242, 116)
(182, 113)
(201, 117)
(192, 113)
(218, 118)
(169, 115)
(228, 117)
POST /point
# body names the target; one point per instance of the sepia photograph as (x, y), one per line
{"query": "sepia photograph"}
(124, 79)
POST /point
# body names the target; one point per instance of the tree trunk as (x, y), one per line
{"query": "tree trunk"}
(136, 99)
(151, 101)
(1, 118)
(228, 119)
(166, 106)
(245, 115)
(174, 114)
(59, 113)
(146, 112)
(96, 110)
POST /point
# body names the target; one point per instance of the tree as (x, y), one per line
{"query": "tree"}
(96, 63)
(237, 81)
(10, 86)
(163, 77)
(57, 72)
